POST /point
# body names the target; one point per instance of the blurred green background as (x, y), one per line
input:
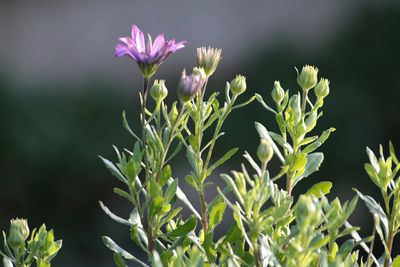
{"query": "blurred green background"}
(62, 94)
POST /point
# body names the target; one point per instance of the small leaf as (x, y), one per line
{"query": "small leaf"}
(165, 175)
(182, 197)
(117, 249)
(171, 191)
(224, 158)
(114, 171)
(119, 261)
(263, 132)
(375, 208)
(183, 229)
(216, 214)
(320, 189)
(113, 216)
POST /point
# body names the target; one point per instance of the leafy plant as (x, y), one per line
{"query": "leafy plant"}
(270, 227)
(22, 251)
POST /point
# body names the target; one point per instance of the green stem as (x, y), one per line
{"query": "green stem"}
(304, 102)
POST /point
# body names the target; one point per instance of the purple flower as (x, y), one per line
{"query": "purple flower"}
(189, 85)
(148, 55)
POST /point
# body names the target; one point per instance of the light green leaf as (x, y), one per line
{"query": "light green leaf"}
(320, 189)
(117, 249)
(396, 262)
(314, 161)
(216, 214)
(182, 197)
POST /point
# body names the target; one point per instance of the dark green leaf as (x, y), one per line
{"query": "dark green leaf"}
(183, 229)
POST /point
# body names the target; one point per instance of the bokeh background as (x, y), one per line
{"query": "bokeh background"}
(62, 93)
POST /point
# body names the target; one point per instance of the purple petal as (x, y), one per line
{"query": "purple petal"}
(158, 42)
(138, 39)
(176, 46)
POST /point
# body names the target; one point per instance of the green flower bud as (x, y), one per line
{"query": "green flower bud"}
(265, 151)
(208, 59)
(278, 93)
(19, 232)
(159, 91)
(307, 78)
(322, 88)
(238, 85)
(173, 114)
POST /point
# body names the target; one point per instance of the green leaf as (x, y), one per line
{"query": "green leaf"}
(7, 262)
(165, 175)
(126, 126)
(171, 191)
(393, 155)
(183, 229)
(113, 216)
(182, 197)
(396, 262)
(155, 189)
(117, 249)
(375, 208)
(114, 171)
(192, 159)
(216, 214)
(156, 206)
(123, 194)
(320, 189)
(299, 162)
(190, 180)
(229, 182)
(261, 101)
(314, 161)
(224, 158)
(263, 132)
(119, 261)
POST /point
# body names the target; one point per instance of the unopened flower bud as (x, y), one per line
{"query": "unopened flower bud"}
(307, 78)
(208, 59)
(322, 88)
(265, 151)
(189, 85)
(19, 232)
(277, 93)
(159, 91)
(173, 114)
(238, 85)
